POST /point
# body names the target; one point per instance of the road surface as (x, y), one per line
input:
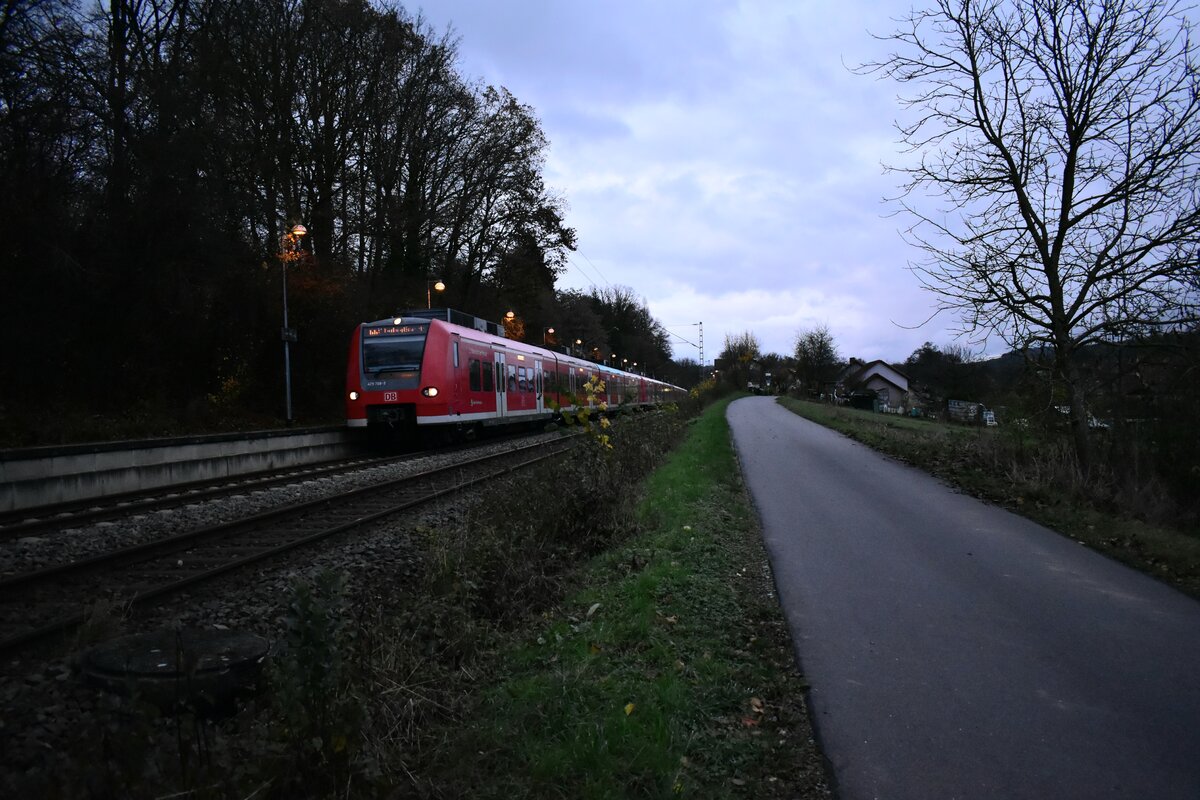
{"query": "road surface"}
(956, 650)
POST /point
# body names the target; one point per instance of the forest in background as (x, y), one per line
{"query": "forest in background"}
(155, 153)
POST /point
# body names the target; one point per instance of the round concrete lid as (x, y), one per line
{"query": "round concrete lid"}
(170, 666)
(169, 654)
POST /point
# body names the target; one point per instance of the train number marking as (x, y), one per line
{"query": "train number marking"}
(390, 397)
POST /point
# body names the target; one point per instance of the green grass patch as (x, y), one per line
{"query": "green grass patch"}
(1035, 478)
(670, 674)
(617, 637)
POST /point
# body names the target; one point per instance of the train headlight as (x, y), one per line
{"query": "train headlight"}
(354, 395)
(430, 391)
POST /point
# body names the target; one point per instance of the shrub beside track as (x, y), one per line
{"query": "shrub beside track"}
(571, 629)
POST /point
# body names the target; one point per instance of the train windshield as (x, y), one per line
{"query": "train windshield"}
(385, 352)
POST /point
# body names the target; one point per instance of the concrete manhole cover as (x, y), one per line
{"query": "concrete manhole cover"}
(200, 669)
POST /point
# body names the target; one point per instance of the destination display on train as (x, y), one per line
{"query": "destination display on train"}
(397, 330)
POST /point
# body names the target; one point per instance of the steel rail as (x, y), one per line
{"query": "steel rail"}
(75, 513)
(113, 506)
(190, 540)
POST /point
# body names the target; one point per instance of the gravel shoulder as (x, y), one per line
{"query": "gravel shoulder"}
(51, 721)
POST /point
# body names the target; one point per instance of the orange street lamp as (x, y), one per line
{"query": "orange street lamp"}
(289, 245)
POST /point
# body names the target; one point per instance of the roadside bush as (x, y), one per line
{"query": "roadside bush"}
(509, 556)
(365, 677)
(317, 719)
(511, 548)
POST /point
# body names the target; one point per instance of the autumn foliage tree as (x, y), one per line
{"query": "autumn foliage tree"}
(153, 153)
(739, 352)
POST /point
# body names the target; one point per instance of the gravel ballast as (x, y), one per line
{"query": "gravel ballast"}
(50, 715)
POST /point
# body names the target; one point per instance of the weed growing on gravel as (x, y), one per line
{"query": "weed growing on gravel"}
(367, 680)
(670, 674)
(509, 557)
(316, 716)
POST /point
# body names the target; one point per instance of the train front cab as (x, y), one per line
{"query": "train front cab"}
(386, 375)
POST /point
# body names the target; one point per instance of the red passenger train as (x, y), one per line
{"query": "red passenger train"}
(425, 370)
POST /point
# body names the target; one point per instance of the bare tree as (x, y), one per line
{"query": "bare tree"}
(816, 357)
(1065, 136)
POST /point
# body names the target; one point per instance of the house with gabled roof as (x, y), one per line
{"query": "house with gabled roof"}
(888, 384)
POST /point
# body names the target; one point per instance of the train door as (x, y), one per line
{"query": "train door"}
(539, 387)
(501, 394)
(458, 381)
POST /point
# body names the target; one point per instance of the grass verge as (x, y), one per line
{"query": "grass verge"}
(1035, 479)
(670, 674)
(600, 626)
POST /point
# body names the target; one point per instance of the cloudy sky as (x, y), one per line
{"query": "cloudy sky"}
(719, 158)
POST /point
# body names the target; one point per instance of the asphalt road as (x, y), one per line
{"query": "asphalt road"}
(956, 650)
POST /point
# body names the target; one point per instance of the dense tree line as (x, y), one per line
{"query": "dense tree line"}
(154, 153)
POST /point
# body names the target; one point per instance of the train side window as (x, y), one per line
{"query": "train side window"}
(456, 355)
(488, 384)
(512, 378)
(474, 368)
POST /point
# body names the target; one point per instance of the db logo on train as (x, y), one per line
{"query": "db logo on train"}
(390, 397)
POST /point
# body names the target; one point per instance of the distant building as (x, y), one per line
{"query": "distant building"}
(888, 384)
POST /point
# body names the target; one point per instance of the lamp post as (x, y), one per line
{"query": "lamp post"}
(546, 332)
(437, 284)
(287, 250)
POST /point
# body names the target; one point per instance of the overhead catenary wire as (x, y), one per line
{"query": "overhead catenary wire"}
(585, 273)
(700, 346)
(682, 339)
(599, 271)
(582, 271)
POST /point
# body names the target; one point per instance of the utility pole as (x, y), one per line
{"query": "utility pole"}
(699, 347)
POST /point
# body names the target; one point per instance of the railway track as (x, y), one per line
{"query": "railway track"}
(74, 514)
(25, 522)
(40, 604)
